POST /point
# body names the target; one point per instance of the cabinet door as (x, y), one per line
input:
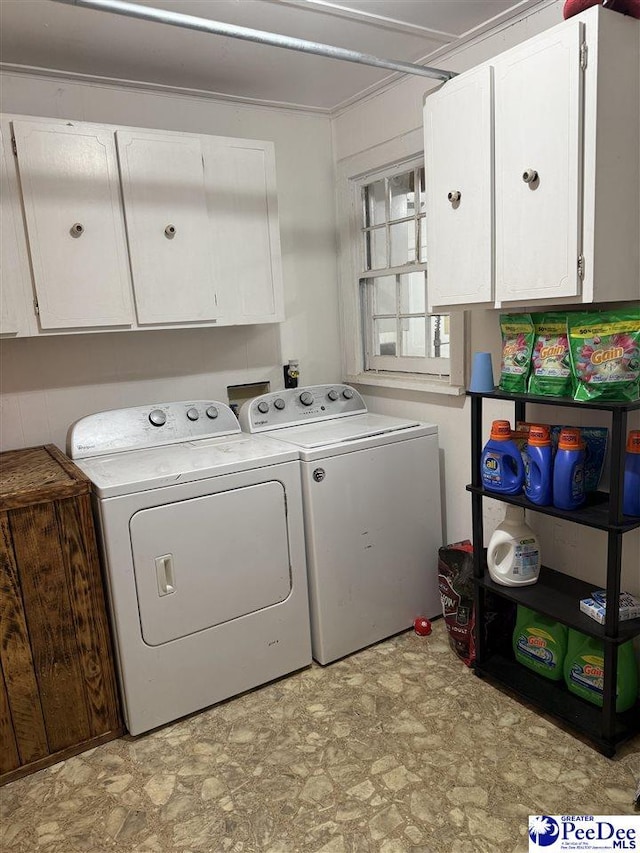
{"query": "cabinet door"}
(168, 227)
(242, 201)
(69, 180)
(458, 145)
(538, 126)
(10, 266)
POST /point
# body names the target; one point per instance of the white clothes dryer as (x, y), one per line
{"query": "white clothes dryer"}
(371, 494)
(202, 536)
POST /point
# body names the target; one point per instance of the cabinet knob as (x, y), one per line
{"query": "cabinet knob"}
(454, 196)
(170, 232)
(530, 176)
(77, 230)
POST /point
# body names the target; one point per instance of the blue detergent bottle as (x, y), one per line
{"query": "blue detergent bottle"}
(501, 465)
(631, 500)
(538, 471)
(568, 470)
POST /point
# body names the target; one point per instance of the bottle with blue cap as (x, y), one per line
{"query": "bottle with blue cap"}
(568, 470)
(538, 469)
(501, 465)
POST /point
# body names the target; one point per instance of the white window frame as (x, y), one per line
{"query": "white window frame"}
(390, 158)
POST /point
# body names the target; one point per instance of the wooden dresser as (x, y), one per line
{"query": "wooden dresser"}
(58, 692)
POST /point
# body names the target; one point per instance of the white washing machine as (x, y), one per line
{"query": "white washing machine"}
(203, 544)
(371, 493)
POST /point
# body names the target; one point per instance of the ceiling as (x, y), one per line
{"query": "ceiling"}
(43, 34)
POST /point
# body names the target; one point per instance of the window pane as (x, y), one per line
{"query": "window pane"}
(439, 336)
(385, 337)
(423, 240)
(403, 243)
(376, 254)
(412, 293)
(423, 197)
(402, 195)
(384, 295)
(375, 211)
(413, 336)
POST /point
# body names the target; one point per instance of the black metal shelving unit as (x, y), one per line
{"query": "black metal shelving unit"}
(558, 595)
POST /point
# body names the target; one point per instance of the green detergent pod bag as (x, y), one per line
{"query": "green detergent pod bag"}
(551, 362)
(605, 355)
(517, 346)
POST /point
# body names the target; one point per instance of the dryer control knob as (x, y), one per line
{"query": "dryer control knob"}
(263, 407)
(347, 393)
(333, 394)
(212, 412)
(157, 417)
(193, 414)
(279, 404)
(306, 398)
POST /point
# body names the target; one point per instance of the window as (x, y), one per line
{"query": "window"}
(389, 338)
(398, 334)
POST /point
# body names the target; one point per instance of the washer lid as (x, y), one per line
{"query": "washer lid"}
(139, 470)
(349, 429)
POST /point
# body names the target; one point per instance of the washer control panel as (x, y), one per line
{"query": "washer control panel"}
(149, 426)
(295, 406)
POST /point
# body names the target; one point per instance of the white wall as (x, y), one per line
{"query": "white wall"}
(397, 113)
(48, 383)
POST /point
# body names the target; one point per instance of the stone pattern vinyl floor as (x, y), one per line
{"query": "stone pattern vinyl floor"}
(396, 749)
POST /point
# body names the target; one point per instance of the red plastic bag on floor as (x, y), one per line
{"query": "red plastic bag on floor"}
(455, 581)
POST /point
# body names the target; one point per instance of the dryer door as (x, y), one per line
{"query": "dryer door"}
(208, 560)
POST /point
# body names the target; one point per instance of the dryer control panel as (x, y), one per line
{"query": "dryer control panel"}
(295, 406)
(149, 426)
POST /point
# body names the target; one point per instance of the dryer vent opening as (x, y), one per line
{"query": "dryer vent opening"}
(238, 394)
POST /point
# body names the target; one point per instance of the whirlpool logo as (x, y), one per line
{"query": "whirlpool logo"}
(543, 830)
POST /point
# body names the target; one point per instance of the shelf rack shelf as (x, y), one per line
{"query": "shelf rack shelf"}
(553, 698)
(558, 595)
(595, 512)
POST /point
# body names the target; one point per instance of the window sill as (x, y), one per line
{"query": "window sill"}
(406, 382)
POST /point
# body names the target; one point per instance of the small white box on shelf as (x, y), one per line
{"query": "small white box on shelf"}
(596, 606)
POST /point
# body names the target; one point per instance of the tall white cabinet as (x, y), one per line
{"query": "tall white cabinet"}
(538, 157)
(458, 128)
(541, 143)
(125, 228)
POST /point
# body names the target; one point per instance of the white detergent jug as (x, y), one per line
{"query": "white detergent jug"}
(513, 556)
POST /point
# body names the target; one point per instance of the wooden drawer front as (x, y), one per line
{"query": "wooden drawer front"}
(54, 642)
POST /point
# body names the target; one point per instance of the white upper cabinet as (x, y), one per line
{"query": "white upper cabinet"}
(71, 198)
(458, 134)
(565, 115)
(130, 228)
(242, 202)
(538, 155)
(168, 227)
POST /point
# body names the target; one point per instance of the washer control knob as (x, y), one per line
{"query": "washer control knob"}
(157, 417)
(212, 412)
(263, 407)
(347, 393)
(333, 394)
(279, 404)
(193, 414)
(306, 398)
